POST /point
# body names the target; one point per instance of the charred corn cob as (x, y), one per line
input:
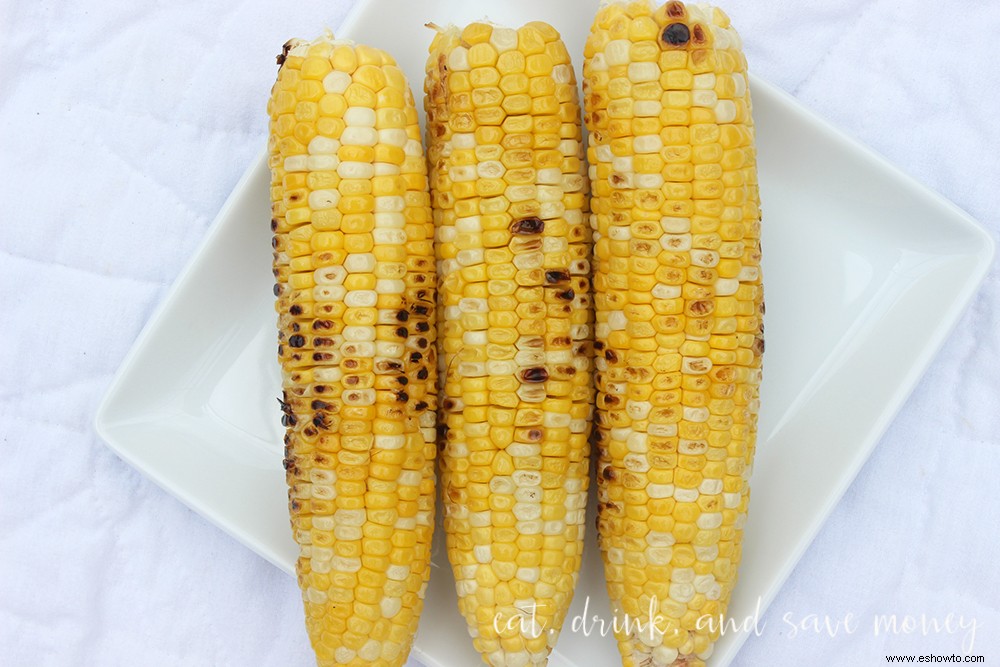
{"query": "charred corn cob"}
(355, 289)
(679, 304)
(509, 189)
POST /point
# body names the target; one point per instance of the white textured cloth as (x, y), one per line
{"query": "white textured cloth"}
(123, 130)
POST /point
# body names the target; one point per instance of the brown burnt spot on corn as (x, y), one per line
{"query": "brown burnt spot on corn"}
(274, 242)
(675, 35)
(562, 341)
(527, 226)
(402, 316)
(423, 327)
(702, 307)
(297, 341)
(557, 276)
(611, 356)
(422, 374)
(422, 343)
(351, 380)
(320, 405)
(420, 310)
(403, 380)
(698, 35)
(274, 225)
(402, 396)
(322, 356)
(276, 289)
(350, 364)
(281, 350)
(674, 9)
(295, 310)
(310, 432)
(280, 59)
(320, 325)
(758, 345)
(420, 406)
(448, 404)
(296, 506)
(566, 295)
(617, 180)
(608, 473)
(319, 421)
(415, 357)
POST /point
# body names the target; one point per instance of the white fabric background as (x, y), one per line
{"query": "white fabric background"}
(123, 130)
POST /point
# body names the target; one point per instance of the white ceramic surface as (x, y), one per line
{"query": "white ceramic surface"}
(865, 270)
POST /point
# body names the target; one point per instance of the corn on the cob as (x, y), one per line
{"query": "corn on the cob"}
(508, 182)
(679, 304)
(355, 289)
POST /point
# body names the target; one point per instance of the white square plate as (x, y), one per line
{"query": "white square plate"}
(866, 273)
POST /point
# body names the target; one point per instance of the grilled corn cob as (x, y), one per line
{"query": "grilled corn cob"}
(679, 303)
(509, 187)
(355, 289)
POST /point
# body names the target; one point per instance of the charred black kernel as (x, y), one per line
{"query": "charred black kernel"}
(676, 34)
(295, 310)
(402, 396)
(421, 294)
(403, 380)
(598, 345)
(423, 327)
(422, 374)
(611, 356)
(420, 310)
(402, 316)
(534, 435)
(320, 388)
(274, 242)
(320, 405)
(295, 503)
(288, 420)
(322, 324)
(567, 295)
(422, 343)
(322, 356)
(609, 473)
(552, 277)
(402, 332)
(422, 405)
(448, 404)
(276, 289)
(319, 421)
(527, 226)
(610, 400)
(281, 350)
(419, 278)
(534, 375)
(322, 342)
(442, 432)
(415, 357)
(295, 326)
(274, 225)
(310, 432)
(297, 341)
